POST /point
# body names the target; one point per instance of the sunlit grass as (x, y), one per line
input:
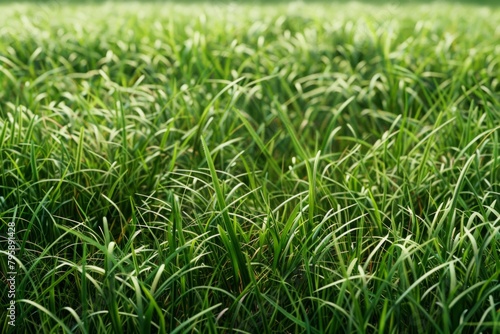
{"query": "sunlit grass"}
(236, 168)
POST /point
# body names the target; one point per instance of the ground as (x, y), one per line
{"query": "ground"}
(274, 167)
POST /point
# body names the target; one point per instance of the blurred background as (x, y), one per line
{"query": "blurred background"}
(395, 2)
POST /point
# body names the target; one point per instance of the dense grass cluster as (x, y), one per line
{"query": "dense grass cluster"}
(234, 168)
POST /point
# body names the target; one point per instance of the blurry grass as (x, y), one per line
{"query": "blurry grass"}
(258, 2)
(290, 168)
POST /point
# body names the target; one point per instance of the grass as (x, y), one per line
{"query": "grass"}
(284, 168)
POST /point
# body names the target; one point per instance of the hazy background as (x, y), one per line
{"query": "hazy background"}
(478, 2)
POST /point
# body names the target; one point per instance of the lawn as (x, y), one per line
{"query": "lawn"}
(250, 168)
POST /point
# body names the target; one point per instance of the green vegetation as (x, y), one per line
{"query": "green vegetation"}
(253, 169)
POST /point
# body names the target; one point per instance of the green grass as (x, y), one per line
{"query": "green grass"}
(292, 168)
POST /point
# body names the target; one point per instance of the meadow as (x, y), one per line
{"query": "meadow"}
(241, 168)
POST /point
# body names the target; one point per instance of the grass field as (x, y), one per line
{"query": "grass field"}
(286, 168)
